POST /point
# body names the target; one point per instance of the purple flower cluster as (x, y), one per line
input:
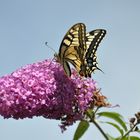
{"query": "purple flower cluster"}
(43, 89)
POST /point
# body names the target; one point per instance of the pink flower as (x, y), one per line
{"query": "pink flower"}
(43, 89)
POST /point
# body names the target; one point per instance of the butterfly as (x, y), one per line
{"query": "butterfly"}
(79, 48)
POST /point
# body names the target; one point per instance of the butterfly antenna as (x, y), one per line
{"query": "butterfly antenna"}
(46, 43)
(100, 70)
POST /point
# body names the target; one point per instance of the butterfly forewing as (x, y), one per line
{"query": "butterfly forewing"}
(72, 47)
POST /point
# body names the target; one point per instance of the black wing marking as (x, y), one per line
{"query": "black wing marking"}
(72, 48)
(93, 39)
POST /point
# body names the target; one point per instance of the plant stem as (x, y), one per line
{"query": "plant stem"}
(97, 125)
(127, 133)
(100, 129)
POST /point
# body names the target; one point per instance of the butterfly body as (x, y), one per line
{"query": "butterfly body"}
(79, 48)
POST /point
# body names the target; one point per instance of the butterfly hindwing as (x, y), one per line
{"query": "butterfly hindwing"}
(66, 68)
(93, 39)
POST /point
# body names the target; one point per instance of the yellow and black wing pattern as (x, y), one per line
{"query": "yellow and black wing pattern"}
(79, 48)
(72, 48)
(93, 39)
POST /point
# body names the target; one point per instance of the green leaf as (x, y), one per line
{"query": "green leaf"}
(115, 116)
(110, 137)
(117, 127)
(128, 138)
(133, 138)
(81, 129)
(125, 138)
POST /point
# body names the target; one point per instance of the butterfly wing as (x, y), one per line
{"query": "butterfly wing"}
(66, 68)
(79, 49)
(93, 39)
(72, 48)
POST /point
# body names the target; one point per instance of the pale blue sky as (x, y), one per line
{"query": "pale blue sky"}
(25, 26)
